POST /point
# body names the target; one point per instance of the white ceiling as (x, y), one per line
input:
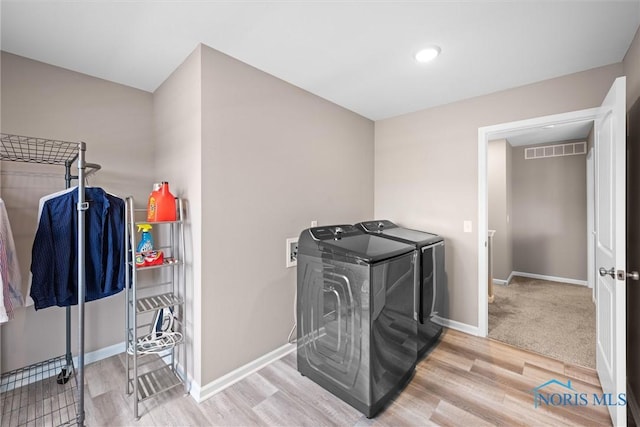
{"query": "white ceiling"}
(357, 54)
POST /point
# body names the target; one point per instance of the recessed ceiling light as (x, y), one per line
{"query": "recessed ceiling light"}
(428, 54)
(548, 127)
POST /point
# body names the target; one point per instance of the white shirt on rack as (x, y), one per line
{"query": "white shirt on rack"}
(3, 312)
(9, 267)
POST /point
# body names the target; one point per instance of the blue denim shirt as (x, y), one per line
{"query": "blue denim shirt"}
(54, 262)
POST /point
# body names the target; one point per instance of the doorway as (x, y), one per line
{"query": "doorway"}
(537, 213)
(609, 226)
(502, 131)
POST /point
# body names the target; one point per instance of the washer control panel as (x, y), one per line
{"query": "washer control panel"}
(334, 232)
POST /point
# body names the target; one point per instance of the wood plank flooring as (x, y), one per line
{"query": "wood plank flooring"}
(465, 381)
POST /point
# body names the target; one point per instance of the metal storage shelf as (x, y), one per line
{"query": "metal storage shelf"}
(158, 301)
(137, 223)
(170, 348)
(157, 381)
(26, 149)
(165, 264)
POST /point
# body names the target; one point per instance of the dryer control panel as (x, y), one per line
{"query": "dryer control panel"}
(377, 226)
(334, 232)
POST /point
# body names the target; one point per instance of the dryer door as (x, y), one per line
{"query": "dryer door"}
(393, 325)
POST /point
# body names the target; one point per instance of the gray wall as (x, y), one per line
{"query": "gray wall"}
(426, 166)
(277, 157)
(177, 153)
(235, 143)
(550, 215)
(115, 122)
(499, 198)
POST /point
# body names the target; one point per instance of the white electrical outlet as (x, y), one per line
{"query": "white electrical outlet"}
(292, 252)
(468, 228)
(314, 223)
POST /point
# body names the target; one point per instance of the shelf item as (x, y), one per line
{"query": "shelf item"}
(161, 288)
(167, 263)
(25, 149)
(154, 343)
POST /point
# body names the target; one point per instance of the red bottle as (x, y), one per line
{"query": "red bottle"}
(165, 204)
(152, 204)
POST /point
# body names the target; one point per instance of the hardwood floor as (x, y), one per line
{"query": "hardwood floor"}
(465, 381)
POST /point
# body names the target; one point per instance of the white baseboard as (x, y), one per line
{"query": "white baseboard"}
(503, 282)
(102, 353)
(458, 326)
(550, 278)
(202, 393)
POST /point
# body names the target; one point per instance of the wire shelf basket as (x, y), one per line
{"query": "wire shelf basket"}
(32, 396)
(27, 149)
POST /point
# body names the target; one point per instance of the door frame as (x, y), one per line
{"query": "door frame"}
(485, 134)
(591, 218)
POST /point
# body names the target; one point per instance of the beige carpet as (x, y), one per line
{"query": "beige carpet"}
(550, 318)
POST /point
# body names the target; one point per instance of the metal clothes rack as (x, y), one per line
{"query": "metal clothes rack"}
(23, 409)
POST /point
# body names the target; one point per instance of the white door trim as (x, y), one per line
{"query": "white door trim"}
(485, 134)
(591, 203)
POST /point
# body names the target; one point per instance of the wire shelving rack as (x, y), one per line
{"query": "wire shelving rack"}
(47, 393)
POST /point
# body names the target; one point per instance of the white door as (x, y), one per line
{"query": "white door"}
(610, 146)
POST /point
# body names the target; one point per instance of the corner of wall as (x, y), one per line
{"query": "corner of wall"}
(258, 134)
(177, 127)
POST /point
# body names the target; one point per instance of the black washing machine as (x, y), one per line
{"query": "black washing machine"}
(356, 337)
(430, 277)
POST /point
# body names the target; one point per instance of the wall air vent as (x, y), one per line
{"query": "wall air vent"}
(569, 149)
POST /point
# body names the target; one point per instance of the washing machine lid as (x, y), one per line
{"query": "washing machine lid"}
(351, 242)
(367, 247)
(389, 229)
(416, 237)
